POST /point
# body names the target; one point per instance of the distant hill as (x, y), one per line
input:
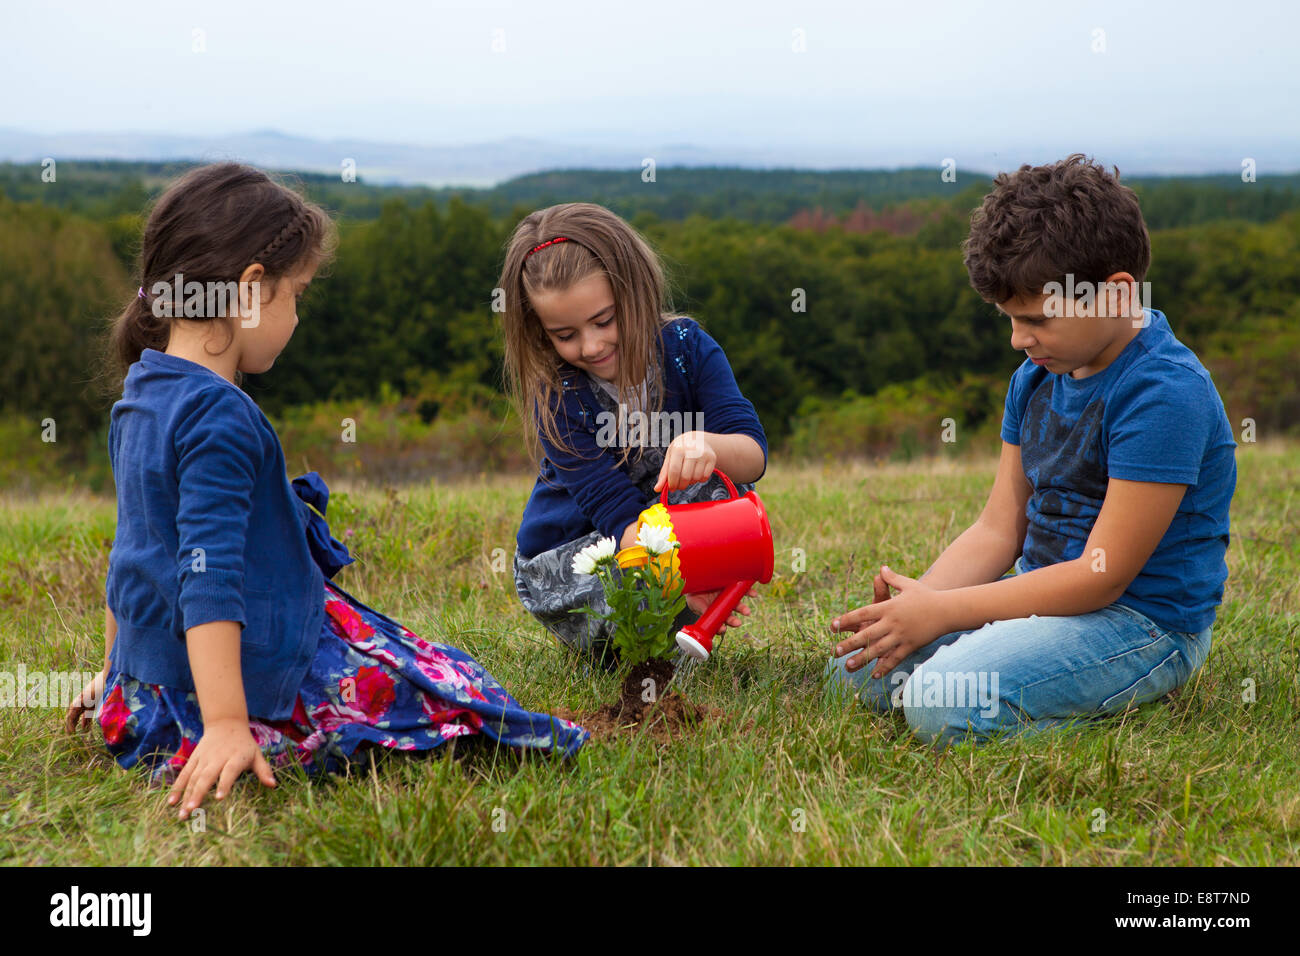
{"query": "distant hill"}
(475, 165)
(513, 158)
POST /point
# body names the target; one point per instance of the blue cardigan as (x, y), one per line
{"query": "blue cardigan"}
(208, 529)
(576, 493)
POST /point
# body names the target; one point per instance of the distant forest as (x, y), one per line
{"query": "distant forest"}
(103, 189)
(403, 317)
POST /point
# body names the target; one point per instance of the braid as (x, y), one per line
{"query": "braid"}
(288, 232)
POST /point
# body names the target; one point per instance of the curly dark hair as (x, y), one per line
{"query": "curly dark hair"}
(1042, 222)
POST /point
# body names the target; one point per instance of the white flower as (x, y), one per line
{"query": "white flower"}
(586, 560)
(656, 539)
(603, 550)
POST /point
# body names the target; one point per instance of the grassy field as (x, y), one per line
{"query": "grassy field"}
(779, 775)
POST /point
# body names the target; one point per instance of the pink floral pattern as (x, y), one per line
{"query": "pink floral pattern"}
(372, 682)
(115, 717)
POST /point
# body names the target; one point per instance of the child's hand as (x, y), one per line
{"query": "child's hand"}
(83, 705)
(850, 621)
(688, 459)
(888, 629)
(699, 603)
(629, 535)
(225, 750)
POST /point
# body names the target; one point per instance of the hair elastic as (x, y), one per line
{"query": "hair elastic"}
(140, 295)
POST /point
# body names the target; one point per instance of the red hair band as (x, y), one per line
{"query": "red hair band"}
(548, 242)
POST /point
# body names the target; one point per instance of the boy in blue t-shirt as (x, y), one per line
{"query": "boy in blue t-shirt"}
(1111, 496)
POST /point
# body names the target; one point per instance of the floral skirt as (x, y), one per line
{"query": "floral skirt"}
(372, 681)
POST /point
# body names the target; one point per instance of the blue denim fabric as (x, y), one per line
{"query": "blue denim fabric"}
(1028, 674)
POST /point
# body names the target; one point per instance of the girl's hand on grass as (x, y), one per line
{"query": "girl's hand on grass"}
(225, 750)
(688, 459)
(83, 705)
(890, 628)
(699, 603)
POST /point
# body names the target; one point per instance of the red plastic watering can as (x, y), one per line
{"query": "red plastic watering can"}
(724, 545)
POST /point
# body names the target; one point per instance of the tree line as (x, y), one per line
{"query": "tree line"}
(808, 317)
(103, 189)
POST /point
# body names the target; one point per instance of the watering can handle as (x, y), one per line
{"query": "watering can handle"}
(663, 496)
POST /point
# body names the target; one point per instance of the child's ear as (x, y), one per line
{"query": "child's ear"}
(252, 278)
(1126, 293)
(254, 272)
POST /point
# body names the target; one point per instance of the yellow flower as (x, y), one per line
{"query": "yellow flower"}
(633, 557)
(656, 517)
(637, 556)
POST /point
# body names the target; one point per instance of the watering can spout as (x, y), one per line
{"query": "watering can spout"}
(724, 546)
(696, 640)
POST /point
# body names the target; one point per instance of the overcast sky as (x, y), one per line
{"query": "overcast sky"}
(927, 78)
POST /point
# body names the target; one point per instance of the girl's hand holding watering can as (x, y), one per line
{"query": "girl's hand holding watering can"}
(699, 603)
(688, 459)
(720, 548)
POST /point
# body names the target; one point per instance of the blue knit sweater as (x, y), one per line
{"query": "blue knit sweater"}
(584, 488)
(208, 529)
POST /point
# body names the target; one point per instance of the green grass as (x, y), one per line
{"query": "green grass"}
(1204, 779)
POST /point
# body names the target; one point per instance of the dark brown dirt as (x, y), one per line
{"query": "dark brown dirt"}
(667, 716)
(643, 686)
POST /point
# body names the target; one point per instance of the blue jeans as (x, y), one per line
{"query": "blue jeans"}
(1028, 674)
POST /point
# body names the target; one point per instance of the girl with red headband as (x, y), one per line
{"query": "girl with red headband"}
(591, 346)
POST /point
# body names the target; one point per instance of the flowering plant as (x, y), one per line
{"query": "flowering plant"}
(645, 600)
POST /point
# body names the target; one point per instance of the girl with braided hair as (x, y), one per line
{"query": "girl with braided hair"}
(226, 646)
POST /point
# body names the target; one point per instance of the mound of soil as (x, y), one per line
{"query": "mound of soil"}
(642, 688)
(644, 706)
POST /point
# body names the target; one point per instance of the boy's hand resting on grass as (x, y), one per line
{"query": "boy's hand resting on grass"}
(225, 750)
(890, 628)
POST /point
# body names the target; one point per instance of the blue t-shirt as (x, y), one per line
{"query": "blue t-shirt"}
(1153, 414)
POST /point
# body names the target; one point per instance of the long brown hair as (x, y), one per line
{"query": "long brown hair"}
(599, 242)
(210, 225)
